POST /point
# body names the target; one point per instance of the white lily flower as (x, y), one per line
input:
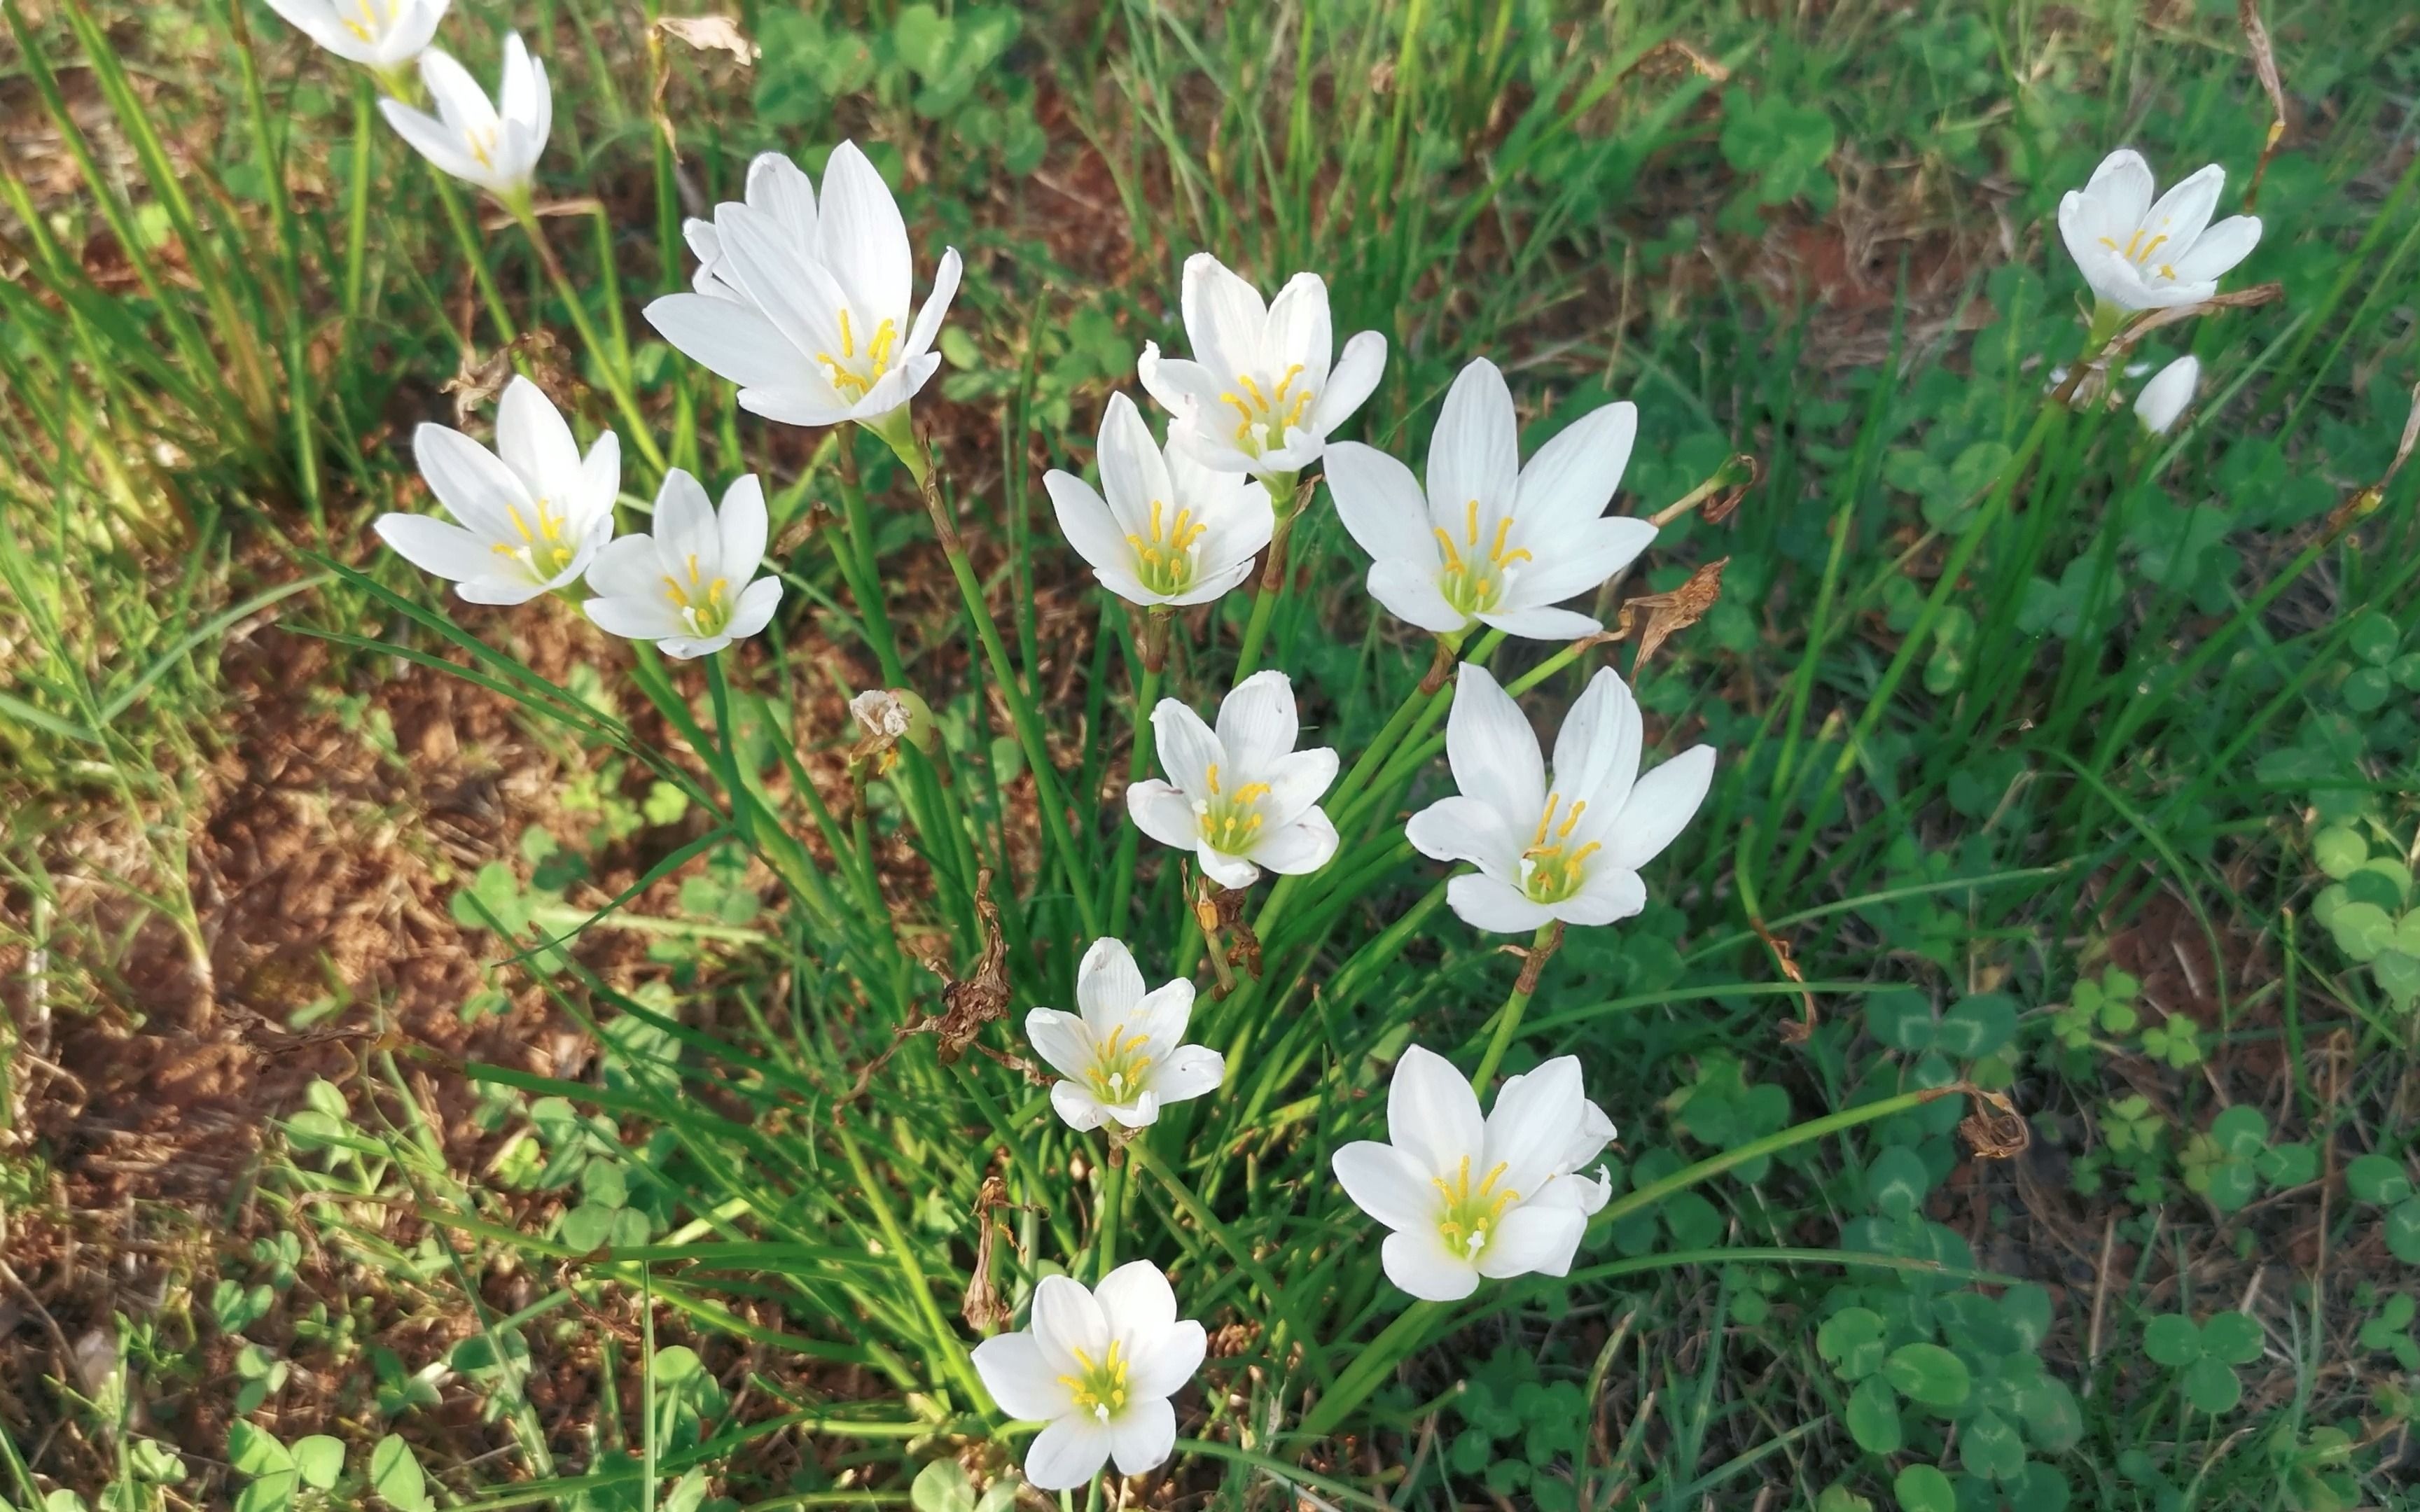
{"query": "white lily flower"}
(495, 147)
(1241, 797)
(534, 511)
(1568, 849)
(1492, 542)
(1466, 1198)
(1258, 394)
(806, 308)
(1172, 530)
(2165, 396)
(1123, 1055)
(2141, 255)
(688, 585)
(378, 35)
(1098, 1367)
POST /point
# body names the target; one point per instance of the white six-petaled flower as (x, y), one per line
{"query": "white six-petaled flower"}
(806, 307)
(1467, 1197)
(1123, 1057)
(2165, 396)
(1565, 850)
(1098, 1367)
(1240, 798)
(495, 147)
(1258, 394)
(534, 511)
(1172, 530)
(686, 584)
(380, 35)
(1491, 541)
(2141, 255)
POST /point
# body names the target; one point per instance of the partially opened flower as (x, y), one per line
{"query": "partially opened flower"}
(380, 35)
(687, 585)
(1172, 530)
(2165, 396)
(495, 147)
(1098, 1367)
(1240, 798)
(534, 511)
(1468, 1198)
(1569, 849)
(1490, 541)
(1123, 1055)
(2141, 255)
(1258, 394)
(806, 307)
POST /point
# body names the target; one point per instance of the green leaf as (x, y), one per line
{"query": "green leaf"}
(943, 1485)
(1851, 1341)
(320, 1459)
(1898, 1182)
(2403, 1230)
(1989, 1446)
(2172, 1341)
(2234, 1338)
(1978, 1026)
(2339, 851)
(1901, 1018)
(1873, 1417)
(253, 1452)
(1923, 1488)
(2211, 1385)
(2054, 1419)
(1929, 1373)
(2379, 1178)
(270, 1493)
(2374, 638)
(395, 1476)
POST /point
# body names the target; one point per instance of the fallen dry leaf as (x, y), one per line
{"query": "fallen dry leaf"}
(1657, 617)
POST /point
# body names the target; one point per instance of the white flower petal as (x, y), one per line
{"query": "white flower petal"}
(628, 568)
(1462, 828)
(731, 341)
(1432, 1114)
(1492, 750)
(1596, 752)
(1062, 1040)
(1576, 561)
(927, 328)
(2219, 249)
(2182, 213)
(1382, 506)
(1162, 811)
(442, 549)
(1164, 1361)
(1542, 624)
(1298, 332)
(1193, 1070)
(1224, 317)
(635, 618)
(684, 525)
(1299, 848)
(1019, 1378)
(2165, 396)
(1386, 1184)
(1355, 375)
(1411, 594)
(1108, 984)
(1296, 781)
(1494, 907)
(1188, 748)
(1419, 1262)
(1233, 872)
(1067, 1319)
(1608, 895)
(1257, 723)
(783, 191)
(864, 242)
(2120, 188)
(1075, 1106)
(1573, 477)
(1476, 453)
(1066, 1456)
(467, 479)
(1660, 806)
(1533, 1238)
(1143, 1436)
(1137, 1301)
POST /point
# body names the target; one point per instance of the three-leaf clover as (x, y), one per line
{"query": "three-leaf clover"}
(2390, 1331)
(2381, 1180)
(2206, 1354)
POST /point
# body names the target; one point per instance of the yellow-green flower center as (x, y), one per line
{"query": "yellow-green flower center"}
(544, 550)
(373, 15)
(1230, 822)
(1552, 869)
(1471, 1214)
(1164, 560)
(1118, 1066)
(854, 373)
(1099, 1388)
(1471, 581)
(704, 606)
(1264, 417)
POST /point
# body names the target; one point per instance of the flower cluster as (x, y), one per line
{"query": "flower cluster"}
(535, 517)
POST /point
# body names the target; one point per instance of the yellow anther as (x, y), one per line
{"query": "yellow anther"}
(1470, 518)
(1214, 779)
(847, 341)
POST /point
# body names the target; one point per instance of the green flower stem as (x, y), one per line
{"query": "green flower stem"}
(1412, 1327)
(1112, 1208)
(357, 214)
(476, 255)
(1273, 582)
(1138, 763)
(1020, 708)
(609, 357)
(1412, 748)
(865, 577)
(726, 754)
(1507, 1019)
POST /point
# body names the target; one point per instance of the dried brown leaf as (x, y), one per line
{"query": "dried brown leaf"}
(711, 34)
(1657, 617)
